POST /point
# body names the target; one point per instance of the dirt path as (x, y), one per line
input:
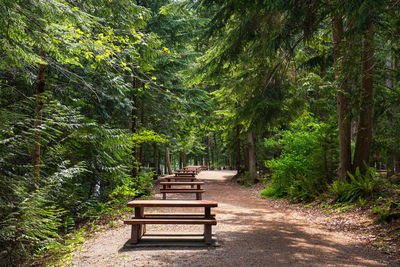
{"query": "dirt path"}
(250, 233)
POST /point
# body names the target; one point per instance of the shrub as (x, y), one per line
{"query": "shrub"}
(306, 161)
(269, 192)
(359, 186)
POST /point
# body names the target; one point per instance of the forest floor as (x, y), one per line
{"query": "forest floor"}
(251, 231)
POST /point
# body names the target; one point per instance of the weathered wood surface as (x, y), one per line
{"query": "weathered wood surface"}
(134, 221)
(181, 183)
(182, 190)
(182, 177)
(176, 215)
(185, 173)
(198, 192)
(172, 203)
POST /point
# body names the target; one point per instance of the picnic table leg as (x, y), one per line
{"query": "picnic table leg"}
(135, 234)
(207, 227)
(198, 196)
(164, 195)
(207, 234)
(137, 229)
(192, 180)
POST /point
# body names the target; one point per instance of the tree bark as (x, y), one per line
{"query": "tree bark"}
(180, 161)
(343, 94)
(252, 157)
(238, 155)
(167, 160)
(141, 148)
(156, 166)
(184, 159)
(246, 157)
(133, 125)
(364, 127)
(40, 89)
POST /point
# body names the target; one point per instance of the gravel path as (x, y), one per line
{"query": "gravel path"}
(249, 231)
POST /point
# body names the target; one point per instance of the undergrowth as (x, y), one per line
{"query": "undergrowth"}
(60, 251)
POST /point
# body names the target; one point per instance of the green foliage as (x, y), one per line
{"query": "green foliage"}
(269, 192)
(30, 226)
(130, 188)
(300, 172)
(84, 164)
(387, 211)
(364, 186)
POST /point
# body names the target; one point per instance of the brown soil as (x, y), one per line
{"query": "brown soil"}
(251, 232)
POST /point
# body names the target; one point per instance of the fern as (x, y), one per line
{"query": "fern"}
(359, 186)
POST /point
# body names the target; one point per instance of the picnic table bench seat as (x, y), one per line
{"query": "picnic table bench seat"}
(188, 220)
(181, 178)
(198, 192)
(167, 188)
(176, 215)
(182, 183)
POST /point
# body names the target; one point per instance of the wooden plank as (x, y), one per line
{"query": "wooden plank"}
(179, 217)
(182, 190)
(176, 215)
(181, 183)
(195, 241)
(172, 203)
(134, 221)
(192, 178)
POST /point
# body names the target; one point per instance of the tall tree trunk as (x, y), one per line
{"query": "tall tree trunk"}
(167, 160)
(208, 163)
(212, 152)
(141, 148)
(252, 157)
(238, 155)
(134, 124)
(184, 159)
(389, 81)
(40, 88)
(165, 163)
(343, 94)
(155, 161)
(364, 127)
(216, 155)
(246, 157)
(158, 168)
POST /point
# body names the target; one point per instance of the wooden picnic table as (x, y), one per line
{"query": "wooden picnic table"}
(141, 219)
(197, 169)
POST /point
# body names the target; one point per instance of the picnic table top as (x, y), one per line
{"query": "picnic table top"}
(181, 183)
(192, 166)
(172, 203)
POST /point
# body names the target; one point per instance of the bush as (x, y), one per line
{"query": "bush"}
(131, 188)
(359, 186)
(306, 162)
(269, 192)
